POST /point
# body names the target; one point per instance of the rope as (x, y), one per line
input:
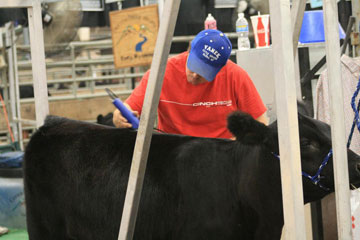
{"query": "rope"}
(7, 119)
(356, 121)
(317, 177)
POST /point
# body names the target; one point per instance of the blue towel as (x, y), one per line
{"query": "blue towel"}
(11, 159)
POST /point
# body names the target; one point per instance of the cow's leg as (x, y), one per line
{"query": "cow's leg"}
(42, 222)
(38, 231)
(36, 227)
(268, 231)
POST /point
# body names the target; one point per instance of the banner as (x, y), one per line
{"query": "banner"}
(134, 32)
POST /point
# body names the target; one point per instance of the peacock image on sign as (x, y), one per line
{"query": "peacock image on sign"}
(138, 46)
(141, 30)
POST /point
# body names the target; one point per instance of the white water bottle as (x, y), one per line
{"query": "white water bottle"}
(242, 30)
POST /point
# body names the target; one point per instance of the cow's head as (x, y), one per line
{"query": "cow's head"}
(315, 144)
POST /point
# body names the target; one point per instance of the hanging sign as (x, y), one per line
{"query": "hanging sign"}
(134, 32)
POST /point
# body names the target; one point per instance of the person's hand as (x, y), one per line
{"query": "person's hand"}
(120, 121)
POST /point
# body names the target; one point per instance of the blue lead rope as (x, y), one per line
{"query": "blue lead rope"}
(356, 111)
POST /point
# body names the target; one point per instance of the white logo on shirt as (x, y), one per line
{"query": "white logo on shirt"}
(203, 104)
(212, 104)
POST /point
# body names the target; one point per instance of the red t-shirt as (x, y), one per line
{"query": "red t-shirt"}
(200, 110)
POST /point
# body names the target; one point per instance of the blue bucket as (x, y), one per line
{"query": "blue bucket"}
(312, 29)
(11, 159)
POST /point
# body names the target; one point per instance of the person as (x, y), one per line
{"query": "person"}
(200, 88)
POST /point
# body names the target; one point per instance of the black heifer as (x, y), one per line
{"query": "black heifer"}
(76, 174)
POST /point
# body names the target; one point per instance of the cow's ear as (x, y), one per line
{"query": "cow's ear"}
(246, 129)
(100, 118)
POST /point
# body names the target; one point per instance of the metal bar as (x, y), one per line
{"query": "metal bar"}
(83, 79)
(1, 39)
(16, 3)
(38, 63)
(291, 180)
(297, 76)
(25, 121)
(103, 60)
(17, 91)
(73, 73)
(5, 86)
(11, 73)
(3, 70)
(110, 60)
(108, 43)
(342, 191)
(92, 73)
(143, 139)
(79, 96)
(297, 13)
(347, 36)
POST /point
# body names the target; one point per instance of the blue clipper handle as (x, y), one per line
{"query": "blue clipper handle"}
(126, 113)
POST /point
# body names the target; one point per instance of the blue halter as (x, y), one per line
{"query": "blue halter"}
(317, 177)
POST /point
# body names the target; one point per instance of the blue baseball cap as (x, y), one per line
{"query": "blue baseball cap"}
(209, 52)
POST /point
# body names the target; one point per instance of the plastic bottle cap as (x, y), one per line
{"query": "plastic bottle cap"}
(210, 17)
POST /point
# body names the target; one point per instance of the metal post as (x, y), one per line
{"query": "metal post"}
(26, 39)
(16, 88)
(297, 75)
(143, 139)
(91, 84)
(11, 73)
(342, 192)
(38, 62)
(3, 71)
(291, 180)
(161, 7)
(73, 73)
(297, 13)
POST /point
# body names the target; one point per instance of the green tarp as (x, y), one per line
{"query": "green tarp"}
(15, 234)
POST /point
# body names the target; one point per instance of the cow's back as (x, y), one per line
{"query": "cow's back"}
(76, 176)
